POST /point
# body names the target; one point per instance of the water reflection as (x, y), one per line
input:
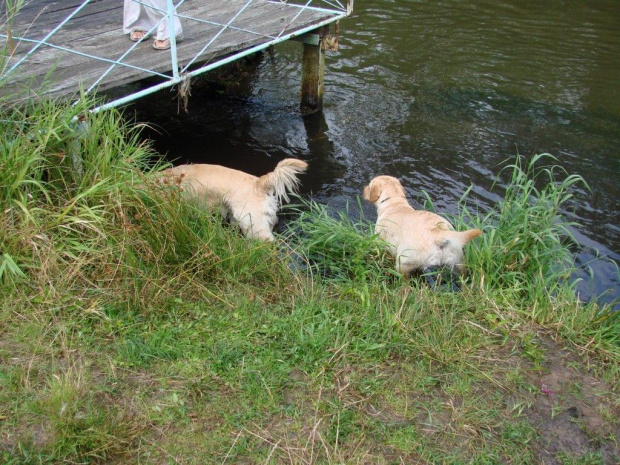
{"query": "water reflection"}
(440, 94)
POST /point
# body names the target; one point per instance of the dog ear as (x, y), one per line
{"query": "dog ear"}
(375, 192)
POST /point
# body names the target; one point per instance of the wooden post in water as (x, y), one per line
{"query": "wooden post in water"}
(313, 71)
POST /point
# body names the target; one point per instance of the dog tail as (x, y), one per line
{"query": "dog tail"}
(460, 237)
(283, 179)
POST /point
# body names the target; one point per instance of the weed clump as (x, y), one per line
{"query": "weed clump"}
(527, 245)
(334, 245)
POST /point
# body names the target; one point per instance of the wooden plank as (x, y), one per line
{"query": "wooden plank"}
(106, 45)
(112, 44)
(230, 42)
(98, 32)
(53, 13)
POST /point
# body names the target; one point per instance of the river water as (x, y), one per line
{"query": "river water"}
(440, 94)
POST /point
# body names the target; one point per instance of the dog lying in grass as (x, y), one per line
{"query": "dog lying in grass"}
(248, 201)
(416, 239)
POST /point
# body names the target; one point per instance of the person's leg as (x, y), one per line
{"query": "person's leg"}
(156, 14)
(135, 19)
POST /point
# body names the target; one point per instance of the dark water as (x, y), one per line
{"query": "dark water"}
(439, 94)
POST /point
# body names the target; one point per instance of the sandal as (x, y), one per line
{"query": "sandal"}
(136, 35)
(164, 44)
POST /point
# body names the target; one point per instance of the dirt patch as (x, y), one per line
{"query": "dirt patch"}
(573, 414)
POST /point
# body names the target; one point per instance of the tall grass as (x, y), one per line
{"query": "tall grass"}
(526, 248)
(8, 11)
(524, 261)
(60, 174)
(335, 245)
(136, 327)
(525, 258)
(55, 152)
(76, 185)
(88, 237)
(527, 245)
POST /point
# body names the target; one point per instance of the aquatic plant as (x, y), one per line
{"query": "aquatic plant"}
(527, 243)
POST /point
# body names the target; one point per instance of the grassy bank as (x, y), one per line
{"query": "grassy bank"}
(137, 329)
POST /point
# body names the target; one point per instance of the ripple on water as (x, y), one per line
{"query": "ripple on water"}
(441, 94)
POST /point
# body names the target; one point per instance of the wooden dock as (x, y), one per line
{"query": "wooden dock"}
(92, 43)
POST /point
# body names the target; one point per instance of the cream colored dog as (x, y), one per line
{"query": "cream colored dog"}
(416, 239)
(250, 202)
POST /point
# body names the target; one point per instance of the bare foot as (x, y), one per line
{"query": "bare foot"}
(137, 35)
(163, 44)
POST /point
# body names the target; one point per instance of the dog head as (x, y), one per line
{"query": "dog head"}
(383, 188)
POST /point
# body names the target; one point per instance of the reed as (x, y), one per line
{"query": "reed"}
(527, 245)
(525, 257)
